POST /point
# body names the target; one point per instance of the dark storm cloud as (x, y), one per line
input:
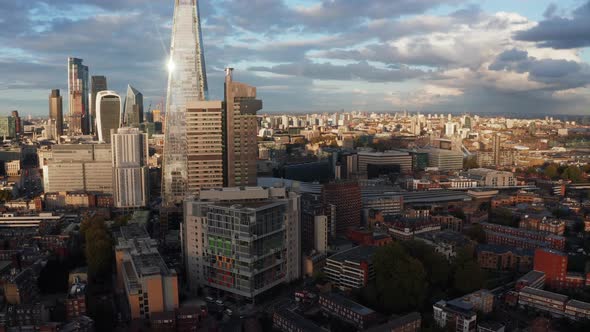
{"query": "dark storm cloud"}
(356, 71)
(561, 32)
(558, 74)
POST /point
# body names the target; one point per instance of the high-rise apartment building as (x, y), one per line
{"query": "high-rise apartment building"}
(204, 146)
(156, 116)
(187, 82)
(240, 132)
(79, 120)
(130, 170)
(108, 114)
(56, 112)
(97, 84)
(133, 109)
(242, 241)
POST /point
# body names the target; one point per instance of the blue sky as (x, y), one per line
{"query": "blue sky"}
(316, 55)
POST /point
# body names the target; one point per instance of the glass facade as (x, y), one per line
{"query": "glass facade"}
(108, 114)
(187, 82)
(133, 110)
(78, 96)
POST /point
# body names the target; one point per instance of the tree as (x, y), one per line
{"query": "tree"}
(573, 173)
(470, 162)
(468, 275)
(400, 279)
(436, 266)
(551, 172)
(477, 234)
(99, 250)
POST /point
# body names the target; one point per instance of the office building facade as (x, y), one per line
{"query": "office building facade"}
(130, 170)
(56, 112)
(108, 114)
(79, 120)
(7, 127)
(97, 84)
(133, 108)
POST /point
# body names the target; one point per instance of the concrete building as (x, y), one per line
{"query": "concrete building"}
(397, 160)
(459, 313)
(242, 241)
(343, 308)
(444, 160)
(130, 170)
(346, 199)
(79, 167)
(7, 127)
(56, 113)
(240, 127)
(351, 269)
(108, 114)
(149, 285)
(491, 178)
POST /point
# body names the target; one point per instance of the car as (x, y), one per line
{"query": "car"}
(228, 312)
(209, 299)
(219, 303)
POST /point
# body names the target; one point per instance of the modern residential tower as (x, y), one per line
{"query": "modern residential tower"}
(130, 170)
(187, 82)
(78, 97)
(108, 114)
(240, 130)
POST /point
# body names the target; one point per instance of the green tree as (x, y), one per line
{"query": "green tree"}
(470, 162)
(99, 250)
(573, 173)
(551, 172)
(436, 265)
(477, 234)
(400, 279)
(468, 275)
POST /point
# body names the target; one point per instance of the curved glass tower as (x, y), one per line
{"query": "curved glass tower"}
(187, 82)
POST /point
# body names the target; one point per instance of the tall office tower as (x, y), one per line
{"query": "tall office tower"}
(56, 112)
(78, 97)
(97, 84)
(130, 170)
(7, 127)
(346, 198)
(187, 82)
(242, 241)
(496, 148)
(108, 114)
(240, 133)
(133, 109)
(156, 116)
(18, 125)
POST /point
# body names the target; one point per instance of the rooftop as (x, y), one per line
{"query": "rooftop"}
(397, 322)
(532, 276)
(542, 293)
(348, 303)
(356, 254)
(579, 304)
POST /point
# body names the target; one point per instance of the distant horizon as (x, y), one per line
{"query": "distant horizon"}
(441, 55)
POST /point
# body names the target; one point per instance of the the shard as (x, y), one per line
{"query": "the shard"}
(187, 82)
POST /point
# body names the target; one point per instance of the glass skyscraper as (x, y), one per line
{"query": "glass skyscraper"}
(108, 114)
(133, 110)
(187, 82)
(78, 97)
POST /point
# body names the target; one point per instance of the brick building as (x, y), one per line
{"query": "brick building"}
(503, 258)
(516, 237)
(347, 310)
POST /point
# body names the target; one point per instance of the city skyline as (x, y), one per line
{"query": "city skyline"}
(385, 57)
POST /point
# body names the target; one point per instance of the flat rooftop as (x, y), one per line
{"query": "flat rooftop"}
(356, 254)
(350, 304)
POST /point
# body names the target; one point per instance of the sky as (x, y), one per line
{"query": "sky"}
(500, 56)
